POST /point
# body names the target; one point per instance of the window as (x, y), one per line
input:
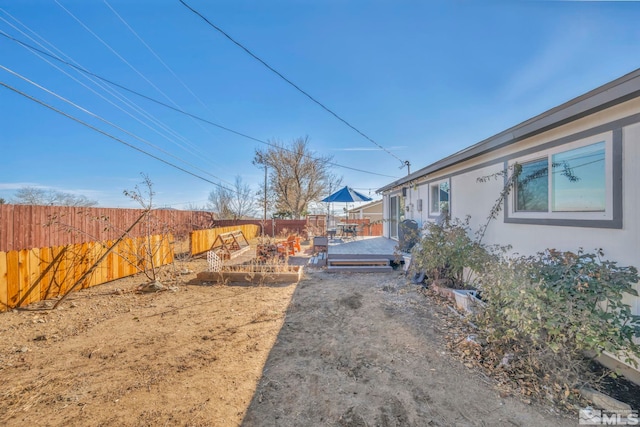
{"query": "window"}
(532, 188)
(579, 180)
(439, 198)
(570, 181)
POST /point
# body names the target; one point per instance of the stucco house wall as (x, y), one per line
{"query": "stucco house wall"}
(616, 230)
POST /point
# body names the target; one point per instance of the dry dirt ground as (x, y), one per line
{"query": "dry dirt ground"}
(335, 349)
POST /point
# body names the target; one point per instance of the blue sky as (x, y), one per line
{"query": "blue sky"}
(422, 79)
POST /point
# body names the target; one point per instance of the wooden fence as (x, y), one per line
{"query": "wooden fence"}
(367, 228)
(313, 225)
(202, 240)
(31, 275)
(27, 226)
(272, 227)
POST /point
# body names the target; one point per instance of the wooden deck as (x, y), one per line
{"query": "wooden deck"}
(368, 247)
(363, 254)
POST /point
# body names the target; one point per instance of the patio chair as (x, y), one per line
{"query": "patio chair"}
(351, 230)
(285, 248)
(294, 242)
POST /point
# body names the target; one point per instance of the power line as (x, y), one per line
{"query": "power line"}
(115, 138)
(170, 133)
(84, 110)
(166, 66)
(153, 52)
(148, 98)
(298, 88)
(123, 60)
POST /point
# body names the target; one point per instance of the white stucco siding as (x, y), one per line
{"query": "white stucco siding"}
(415, 193)
(473, 198)
(615, 228)
(470, 197)
(385, 214)
(628, 251)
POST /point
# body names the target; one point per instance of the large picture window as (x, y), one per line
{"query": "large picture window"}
(570, 181)
(577, 182)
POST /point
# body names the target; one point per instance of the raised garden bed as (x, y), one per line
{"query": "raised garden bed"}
(258, 274)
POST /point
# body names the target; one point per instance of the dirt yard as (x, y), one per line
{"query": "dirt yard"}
(336, 349)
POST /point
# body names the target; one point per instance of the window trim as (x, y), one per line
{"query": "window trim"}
(612, 215)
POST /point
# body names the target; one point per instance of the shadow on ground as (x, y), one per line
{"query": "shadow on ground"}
(368, 350)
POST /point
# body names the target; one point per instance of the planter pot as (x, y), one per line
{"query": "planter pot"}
(475, 304)
(462, 300)
(261, 274)
(320, 244)
(468, 301)
(407, 262)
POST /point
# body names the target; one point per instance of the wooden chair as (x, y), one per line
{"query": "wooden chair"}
(294, 241)
(284, 249)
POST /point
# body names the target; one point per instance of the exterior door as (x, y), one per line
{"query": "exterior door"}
(395, 215)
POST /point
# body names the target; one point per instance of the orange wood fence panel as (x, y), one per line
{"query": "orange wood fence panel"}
(31, 275)
(202, 240)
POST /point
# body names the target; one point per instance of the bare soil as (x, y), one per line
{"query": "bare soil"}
(335, 349)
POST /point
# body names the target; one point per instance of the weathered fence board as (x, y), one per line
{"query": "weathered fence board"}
(26, 226)
(31, 275)
(13, 283)
(272, 227)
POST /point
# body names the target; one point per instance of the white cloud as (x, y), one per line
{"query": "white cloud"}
(562, 55)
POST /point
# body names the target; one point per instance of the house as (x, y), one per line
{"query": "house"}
(371, 211)
(579, 186)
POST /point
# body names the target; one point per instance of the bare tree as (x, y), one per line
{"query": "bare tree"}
(233, 203)
(296, 177)
(41, 196)
(148, 252)
(220, 202)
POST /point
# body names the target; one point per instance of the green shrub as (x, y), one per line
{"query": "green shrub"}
(446, 250)
(558, 305)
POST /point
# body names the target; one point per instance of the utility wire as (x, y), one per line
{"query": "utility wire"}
(170, 133)
(298, 88)
(115, 138)
(84, 110)
(153, 52)
(148, 98)
(165, 65)
(112, 50)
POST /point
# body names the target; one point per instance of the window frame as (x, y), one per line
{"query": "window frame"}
(607, 215)
(432, 213)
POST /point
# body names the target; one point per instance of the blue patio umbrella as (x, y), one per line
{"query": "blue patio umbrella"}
(347, 195)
